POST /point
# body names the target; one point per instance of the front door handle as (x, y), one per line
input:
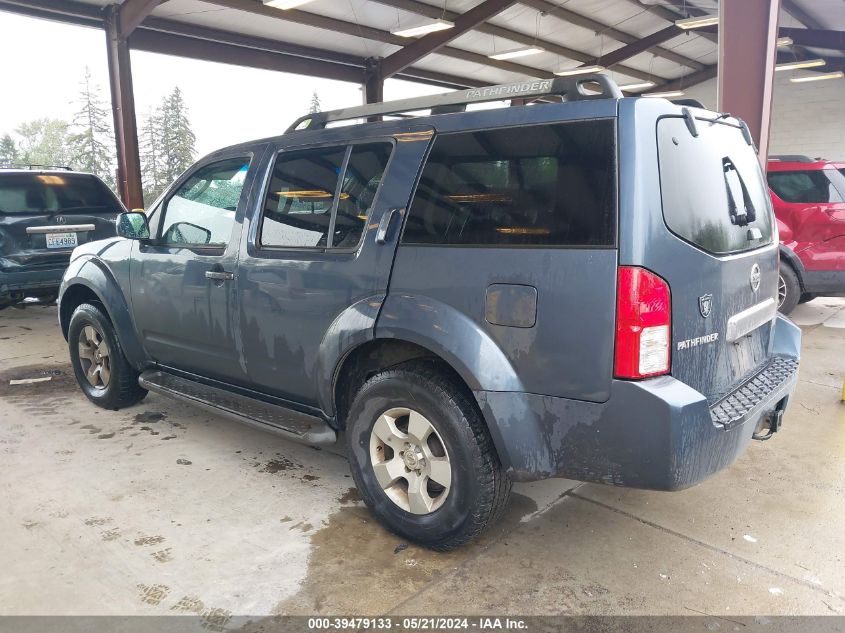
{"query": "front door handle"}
(219, 275)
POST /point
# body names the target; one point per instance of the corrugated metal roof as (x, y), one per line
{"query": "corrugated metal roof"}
(573, 32)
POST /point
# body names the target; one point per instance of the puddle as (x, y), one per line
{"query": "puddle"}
(353, 550)
(350, 496)
(278, 465)
(61, 380)
(149, 417)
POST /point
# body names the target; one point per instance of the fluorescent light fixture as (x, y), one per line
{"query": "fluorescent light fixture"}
(807, 63)
(666, 95)
(640, 86)
(820, 77)
(784, 41)
(424, 29)
(581, 70)
(284, 4)
(517, 52)
(697, 23)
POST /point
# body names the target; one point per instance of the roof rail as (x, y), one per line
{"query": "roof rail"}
(35, 166)
(692, 103)
(578, 88)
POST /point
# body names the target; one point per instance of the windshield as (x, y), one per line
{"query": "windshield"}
(713, 191)
(55, 193)
(811, 187)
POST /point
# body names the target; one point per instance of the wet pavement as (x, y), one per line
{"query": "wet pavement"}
(163, 509)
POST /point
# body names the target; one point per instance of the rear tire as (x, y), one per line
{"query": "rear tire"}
(807, 296)
(789, 289)
(441, 480)
(102, 371)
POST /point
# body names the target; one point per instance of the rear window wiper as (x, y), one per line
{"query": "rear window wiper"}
(740, 216)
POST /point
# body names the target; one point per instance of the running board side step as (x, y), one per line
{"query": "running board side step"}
(294, 425)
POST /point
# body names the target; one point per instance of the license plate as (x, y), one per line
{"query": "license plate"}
(61, 240)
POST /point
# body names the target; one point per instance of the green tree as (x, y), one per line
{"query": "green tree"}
(8, 151)
(44, 142)
(177, 139)
(152, 163)
(92, 143)
(315, 106)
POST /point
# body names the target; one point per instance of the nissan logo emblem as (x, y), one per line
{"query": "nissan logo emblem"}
(755, 278)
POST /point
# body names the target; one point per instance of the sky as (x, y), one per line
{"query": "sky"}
(226, 104)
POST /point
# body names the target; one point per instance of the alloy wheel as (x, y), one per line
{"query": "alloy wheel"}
(781, 291)
(94, 357)
(410, 460)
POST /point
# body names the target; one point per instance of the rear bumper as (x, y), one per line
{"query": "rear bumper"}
(14, 284)
(659, 434)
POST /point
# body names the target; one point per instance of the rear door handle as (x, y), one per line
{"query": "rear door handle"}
(219, 275)
(385, 223)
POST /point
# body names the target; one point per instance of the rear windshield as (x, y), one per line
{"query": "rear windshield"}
(714, 195)
(542, 185)
(812, 186)
(55, 193)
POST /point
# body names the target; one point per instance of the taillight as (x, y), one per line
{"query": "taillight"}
(643, 324)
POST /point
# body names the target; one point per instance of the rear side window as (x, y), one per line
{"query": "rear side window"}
(815, 186)
(713, 191)
(358, 194)
(298, 207)
(55, 193)
(549, 185)
(317, 192)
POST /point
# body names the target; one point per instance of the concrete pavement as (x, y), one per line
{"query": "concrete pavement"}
(163, 509)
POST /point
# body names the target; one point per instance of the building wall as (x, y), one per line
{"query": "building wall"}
(807, 118)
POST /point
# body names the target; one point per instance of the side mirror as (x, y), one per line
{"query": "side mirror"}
(133, 226)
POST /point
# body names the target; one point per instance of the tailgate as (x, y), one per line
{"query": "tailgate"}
(723, 274)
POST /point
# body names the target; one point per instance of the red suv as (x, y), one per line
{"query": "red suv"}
(809, 200)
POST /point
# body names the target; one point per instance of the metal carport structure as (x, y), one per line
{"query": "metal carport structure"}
(355, 41)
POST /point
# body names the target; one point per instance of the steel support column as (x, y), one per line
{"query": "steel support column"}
(748, 31)
(373, 81)
(123, 108)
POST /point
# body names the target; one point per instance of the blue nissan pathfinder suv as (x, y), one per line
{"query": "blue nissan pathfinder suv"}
(584, 287)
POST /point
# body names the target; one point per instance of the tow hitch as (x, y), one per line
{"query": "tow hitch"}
(770, 425)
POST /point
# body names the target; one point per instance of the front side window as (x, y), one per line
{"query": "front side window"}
(543, 185)
(202, 210)
(311, 196)
(810, 187)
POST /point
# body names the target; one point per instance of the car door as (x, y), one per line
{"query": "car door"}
(812, 204)
(182, 279)
(312, 253)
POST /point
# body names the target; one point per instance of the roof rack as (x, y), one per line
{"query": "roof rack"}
(34, 166)
(578, 88)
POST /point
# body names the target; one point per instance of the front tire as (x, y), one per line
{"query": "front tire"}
(102, 371)
(789, 289)
(422, 458)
